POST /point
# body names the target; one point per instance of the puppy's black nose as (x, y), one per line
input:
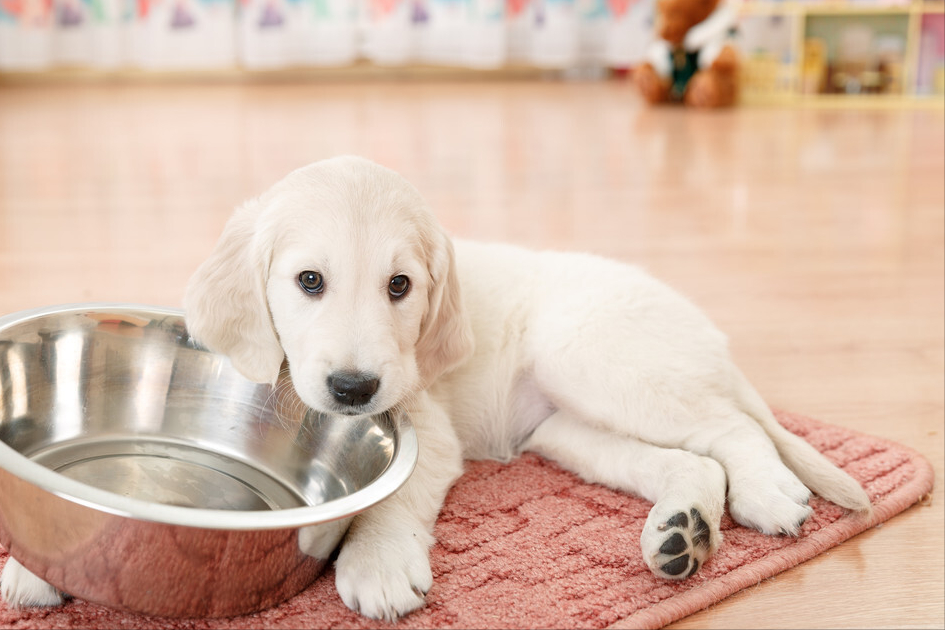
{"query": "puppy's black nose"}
(352, 388)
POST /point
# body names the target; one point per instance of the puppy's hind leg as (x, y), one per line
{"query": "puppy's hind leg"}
(21, 588)
(670, 399)
(763, 493)
(688, 491)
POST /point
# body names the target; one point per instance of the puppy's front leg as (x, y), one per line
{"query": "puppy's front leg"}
(21, 589)
(383, 569)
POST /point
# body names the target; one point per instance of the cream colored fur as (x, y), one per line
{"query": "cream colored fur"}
(495, 350)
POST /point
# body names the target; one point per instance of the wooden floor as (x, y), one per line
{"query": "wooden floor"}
(813, 237)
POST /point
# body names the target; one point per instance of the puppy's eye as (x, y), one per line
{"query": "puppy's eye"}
(311, 282)
(398, 287)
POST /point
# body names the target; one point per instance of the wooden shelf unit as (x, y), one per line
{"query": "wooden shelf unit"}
(767, 78)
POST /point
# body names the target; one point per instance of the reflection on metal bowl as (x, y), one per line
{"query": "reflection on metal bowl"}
(141, 471)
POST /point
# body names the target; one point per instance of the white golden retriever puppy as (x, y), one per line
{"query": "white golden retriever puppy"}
(341, 270)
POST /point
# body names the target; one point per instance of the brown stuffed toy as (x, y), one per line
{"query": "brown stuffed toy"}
(692, 60)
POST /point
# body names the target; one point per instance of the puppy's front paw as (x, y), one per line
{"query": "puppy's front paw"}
(676, 543)
(21, 589)
(384, 578)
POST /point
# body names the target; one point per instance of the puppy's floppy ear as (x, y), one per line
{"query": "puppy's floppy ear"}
(225, 302)
(445, 334)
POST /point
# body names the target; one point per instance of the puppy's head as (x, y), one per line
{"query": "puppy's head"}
(341, 269)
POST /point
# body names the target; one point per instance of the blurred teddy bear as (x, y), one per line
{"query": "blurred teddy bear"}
(692, 59)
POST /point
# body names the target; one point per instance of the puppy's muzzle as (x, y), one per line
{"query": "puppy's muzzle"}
(353, 389)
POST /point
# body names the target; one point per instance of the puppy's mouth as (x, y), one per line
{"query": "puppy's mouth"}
(325, 404)
(353, 412)
(377, 406)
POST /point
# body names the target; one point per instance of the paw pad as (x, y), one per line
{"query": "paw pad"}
(686, 546)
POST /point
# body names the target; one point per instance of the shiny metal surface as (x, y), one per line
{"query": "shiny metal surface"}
(140, 471)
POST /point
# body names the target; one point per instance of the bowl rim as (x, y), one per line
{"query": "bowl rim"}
(401, 466)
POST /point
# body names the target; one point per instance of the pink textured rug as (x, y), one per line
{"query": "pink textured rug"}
(529, 545)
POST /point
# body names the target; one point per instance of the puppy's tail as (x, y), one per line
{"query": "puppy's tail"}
(813, 469)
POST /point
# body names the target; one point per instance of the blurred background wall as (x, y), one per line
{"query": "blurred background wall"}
(789, 48)
(261, 34)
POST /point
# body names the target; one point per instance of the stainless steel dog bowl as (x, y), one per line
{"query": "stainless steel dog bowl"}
(141, 471)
